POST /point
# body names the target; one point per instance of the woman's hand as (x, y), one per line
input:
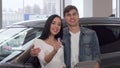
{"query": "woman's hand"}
(97, 65)
(35, 51)
(56, 46)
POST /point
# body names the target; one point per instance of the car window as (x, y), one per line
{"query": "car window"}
(16, 42)
(31, 34)
(108, 36)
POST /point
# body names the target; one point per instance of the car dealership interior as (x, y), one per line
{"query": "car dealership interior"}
(21, 21)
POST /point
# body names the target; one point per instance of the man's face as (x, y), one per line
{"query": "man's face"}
(72, 17)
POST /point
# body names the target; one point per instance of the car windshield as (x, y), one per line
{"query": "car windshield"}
(13, 39)
(9, 33)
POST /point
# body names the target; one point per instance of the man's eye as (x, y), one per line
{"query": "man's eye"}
(68, 14)
(75, 14)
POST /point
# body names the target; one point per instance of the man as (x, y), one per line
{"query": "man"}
(80, 43)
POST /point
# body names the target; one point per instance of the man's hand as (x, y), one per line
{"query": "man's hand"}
(35, 51)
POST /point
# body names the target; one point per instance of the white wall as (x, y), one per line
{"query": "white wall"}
(97, 8)
(102, 8)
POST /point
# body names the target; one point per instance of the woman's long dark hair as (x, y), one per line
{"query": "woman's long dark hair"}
(46, 31)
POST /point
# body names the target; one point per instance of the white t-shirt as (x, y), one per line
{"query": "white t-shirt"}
(58, 59)
(74, 48)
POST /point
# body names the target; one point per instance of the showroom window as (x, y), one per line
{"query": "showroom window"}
(21, 10)
(113, 8)
(116, 8)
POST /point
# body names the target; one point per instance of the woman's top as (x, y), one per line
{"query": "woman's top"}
(56, 62)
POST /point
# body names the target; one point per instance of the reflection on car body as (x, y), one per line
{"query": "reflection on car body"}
(107, 29)
(13, 39)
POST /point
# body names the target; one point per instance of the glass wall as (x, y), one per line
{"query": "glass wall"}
(21, 10)
(113, 8)
(116, 8)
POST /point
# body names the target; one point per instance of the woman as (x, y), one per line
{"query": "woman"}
(51, 54)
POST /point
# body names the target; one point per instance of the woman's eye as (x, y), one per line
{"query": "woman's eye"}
(53, 22)
(59, 24)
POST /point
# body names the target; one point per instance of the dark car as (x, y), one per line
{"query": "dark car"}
(108, 32)
(107, 29)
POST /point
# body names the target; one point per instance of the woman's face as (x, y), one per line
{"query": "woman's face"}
(55, 26)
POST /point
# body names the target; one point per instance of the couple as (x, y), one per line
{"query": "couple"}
(78, 43)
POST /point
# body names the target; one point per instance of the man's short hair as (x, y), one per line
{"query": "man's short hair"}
(68, 8)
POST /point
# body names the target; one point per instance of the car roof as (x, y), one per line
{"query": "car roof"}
(100, 21)
(38, 23)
